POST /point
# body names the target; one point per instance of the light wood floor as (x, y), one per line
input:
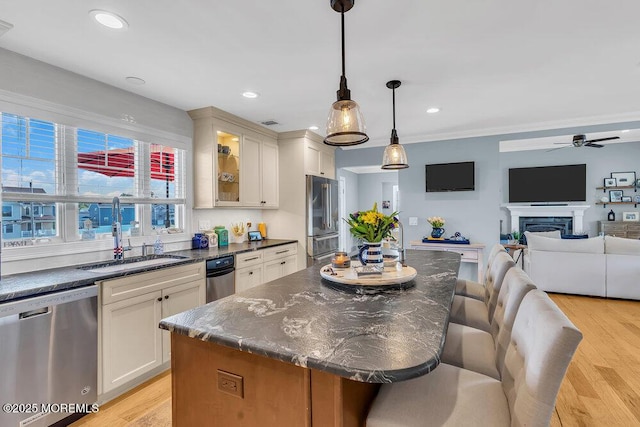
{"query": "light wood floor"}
(601, 388)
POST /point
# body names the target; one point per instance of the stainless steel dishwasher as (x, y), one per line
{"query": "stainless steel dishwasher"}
(49, 357)
(220, 277)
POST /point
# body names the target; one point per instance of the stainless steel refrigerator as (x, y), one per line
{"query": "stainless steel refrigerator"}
(322, 219)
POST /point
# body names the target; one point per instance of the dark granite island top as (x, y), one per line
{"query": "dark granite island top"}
(380, 337)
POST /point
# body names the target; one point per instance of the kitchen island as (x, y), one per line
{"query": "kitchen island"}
(300, 351)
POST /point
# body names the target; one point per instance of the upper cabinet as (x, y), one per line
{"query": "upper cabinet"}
(319, 160)
(235, 161)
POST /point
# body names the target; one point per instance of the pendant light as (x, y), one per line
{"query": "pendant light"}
(394, 156)
(345, 124)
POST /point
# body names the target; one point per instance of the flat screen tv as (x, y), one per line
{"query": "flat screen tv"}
(450, 177)
(566, 183)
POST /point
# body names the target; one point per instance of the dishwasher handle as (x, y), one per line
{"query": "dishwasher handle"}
(34, 313)
(218, 273)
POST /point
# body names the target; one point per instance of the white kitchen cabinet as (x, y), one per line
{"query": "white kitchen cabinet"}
(279, 268)
(256, 267)
(131, 339)
(247, 278)
(260, 181)
(131, 309)
(270, 174)
(243, 175)
(319, 160)
(177, 299)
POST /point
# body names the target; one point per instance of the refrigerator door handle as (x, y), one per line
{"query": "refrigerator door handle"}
(328, 207)
(324, 204)
(320, 239)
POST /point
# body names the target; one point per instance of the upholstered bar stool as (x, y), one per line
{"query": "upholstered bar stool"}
(478, 314)
(482, 351)
(471, 289)
(542, 344)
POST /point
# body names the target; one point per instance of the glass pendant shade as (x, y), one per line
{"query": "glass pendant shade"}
(394, 155)
(345, 124)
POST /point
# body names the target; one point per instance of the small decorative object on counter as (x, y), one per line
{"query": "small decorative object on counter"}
(223, 236)
(611, 216)
(158, 246)
(437, 223)
(238, 232)
(341, 260)
(87, 232)
(262, 228)
(199, 241)
(213, 239)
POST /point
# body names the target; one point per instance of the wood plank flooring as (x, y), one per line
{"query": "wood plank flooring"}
(601, 388)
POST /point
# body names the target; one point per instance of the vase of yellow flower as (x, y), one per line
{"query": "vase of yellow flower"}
(437, 223)
(371, 226)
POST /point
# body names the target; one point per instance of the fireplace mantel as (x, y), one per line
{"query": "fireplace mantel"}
(574, 211)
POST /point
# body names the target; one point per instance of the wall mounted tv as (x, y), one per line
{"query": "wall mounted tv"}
(450, 177)
(566, 183)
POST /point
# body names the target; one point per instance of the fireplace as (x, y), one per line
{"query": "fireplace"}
(538, 223)
(574, 212)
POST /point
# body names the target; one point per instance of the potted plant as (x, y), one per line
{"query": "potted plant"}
(371, 226)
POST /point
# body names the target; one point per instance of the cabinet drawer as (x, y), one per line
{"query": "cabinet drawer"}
(247, 259)
(139, 284)
(280, 251)
(467, 255)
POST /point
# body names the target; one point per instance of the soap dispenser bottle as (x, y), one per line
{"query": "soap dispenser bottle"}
(158, 246)
(611, 216)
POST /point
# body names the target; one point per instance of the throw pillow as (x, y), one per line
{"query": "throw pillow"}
(621, 246)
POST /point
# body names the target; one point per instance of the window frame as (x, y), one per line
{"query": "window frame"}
(67, 200)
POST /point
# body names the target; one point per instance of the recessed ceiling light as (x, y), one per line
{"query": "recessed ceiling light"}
(313, 128)
(433, 110)
(250, 94)
(624, 131)
(135, 80)
(109, 19)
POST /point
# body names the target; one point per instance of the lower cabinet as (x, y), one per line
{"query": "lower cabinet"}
(258, 267)
(248, 277)
(132, 307)
(280, 267)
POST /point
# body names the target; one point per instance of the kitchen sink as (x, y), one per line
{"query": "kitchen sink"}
(132, 263)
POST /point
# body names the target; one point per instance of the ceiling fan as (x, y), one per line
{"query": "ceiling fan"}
(582, 141)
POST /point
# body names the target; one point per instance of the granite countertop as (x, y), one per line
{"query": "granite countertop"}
(25, 285)
(377, 337)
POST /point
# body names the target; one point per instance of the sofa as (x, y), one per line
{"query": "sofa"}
(599, 266)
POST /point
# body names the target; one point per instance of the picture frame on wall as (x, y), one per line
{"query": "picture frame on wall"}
(626, 199)
(610, 182)
(624, 179)
(615, 195)
(631, 216)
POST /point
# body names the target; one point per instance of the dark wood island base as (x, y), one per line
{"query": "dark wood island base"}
(259, 391)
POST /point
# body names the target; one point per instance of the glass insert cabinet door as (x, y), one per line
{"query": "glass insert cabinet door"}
(228, 168)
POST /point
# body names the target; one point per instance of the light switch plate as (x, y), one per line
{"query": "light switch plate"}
(413, 220)
(204, 224)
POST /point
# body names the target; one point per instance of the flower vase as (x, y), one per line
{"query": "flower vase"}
(371, 254)
(437, 232)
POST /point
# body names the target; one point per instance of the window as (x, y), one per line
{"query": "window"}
(52, 171)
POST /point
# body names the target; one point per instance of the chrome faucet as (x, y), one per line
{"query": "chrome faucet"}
(116, 230)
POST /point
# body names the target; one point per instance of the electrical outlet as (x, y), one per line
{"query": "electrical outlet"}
(204, 224)
(230, 383)
(413, 220)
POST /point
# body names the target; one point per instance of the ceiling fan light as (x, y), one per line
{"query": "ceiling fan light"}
(345, 124)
